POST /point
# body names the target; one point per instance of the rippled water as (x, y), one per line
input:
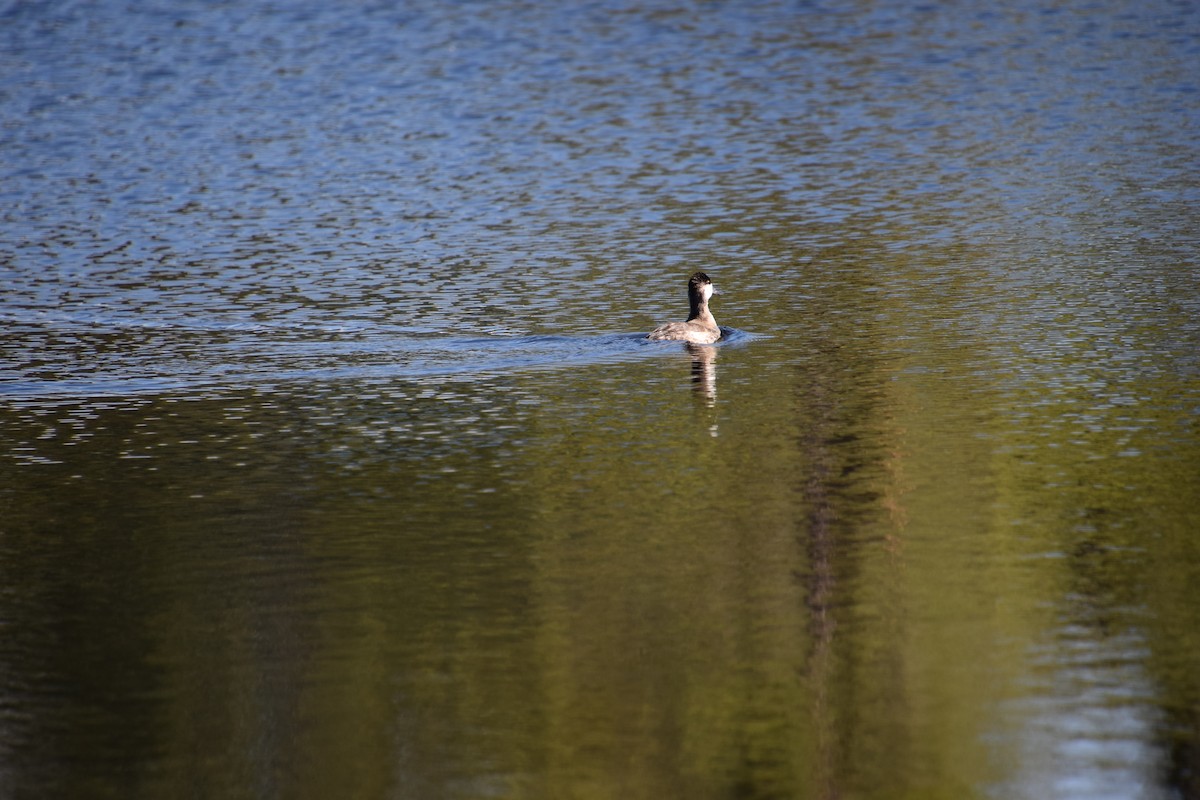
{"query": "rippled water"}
(333, 463)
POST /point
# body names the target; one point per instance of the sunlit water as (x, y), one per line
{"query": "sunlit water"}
(334, 463)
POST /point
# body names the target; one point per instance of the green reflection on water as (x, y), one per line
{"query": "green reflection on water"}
(851, 565)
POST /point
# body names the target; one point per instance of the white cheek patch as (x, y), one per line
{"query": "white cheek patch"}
(708, 291)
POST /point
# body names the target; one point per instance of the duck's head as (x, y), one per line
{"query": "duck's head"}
(700, 288)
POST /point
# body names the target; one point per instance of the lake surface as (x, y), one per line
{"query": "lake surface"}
(333, 464)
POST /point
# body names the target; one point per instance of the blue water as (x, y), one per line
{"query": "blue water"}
(494, 169)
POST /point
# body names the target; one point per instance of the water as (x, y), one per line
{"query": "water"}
(332, 462)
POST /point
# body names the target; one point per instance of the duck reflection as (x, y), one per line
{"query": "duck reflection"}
(704, 372)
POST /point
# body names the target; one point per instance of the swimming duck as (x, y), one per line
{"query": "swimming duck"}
(700, 327)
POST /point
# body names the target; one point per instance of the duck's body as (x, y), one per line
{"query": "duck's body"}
(697, 331)
(701, 327)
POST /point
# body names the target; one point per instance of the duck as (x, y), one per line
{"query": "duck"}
(701, 327)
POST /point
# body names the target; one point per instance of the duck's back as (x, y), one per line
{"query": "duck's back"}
(690, 331)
